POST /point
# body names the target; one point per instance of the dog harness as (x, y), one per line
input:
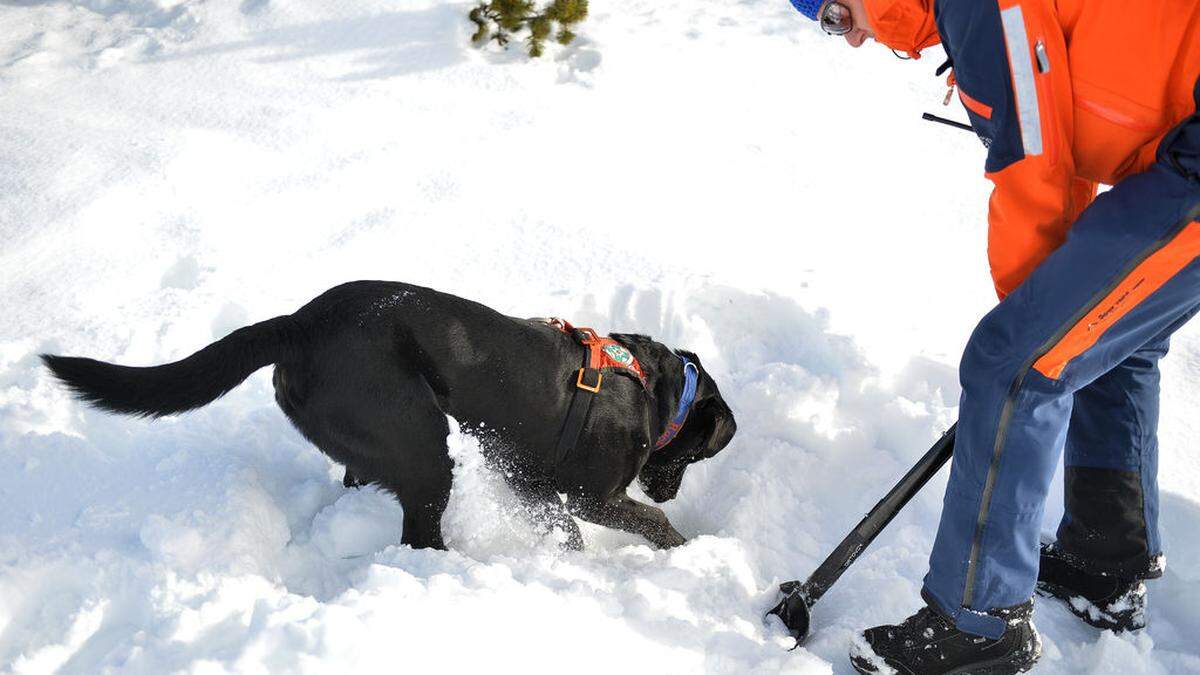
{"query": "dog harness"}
(606, 354)
(603, 353)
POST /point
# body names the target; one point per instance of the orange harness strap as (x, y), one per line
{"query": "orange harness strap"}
(604, 353)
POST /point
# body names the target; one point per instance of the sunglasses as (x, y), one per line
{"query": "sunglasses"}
(836, 18)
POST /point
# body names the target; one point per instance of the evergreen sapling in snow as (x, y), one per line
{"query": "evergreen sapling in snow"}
(500, 20)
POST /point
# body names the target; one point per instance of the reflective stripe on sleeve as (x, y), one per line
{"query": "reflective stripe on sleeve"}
(1024, 87)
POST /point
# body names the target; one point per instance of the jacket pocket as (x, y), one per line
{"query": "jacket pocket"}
(980, 114)
(1110, 131)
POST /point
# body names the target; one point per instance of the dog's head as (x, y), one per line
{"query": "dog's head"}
(709, 428)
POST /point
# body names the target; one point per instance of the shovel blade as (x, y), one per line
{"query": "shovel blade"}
(794, 612)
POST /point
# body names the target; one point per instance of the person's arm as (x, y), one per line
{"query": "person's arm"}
(1011, 67)
(1018, 96)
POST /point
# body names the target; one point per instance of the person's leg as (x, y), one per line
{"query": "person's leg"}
(1111, 488)
(1126, 275)
(1110, 524)
(1108, 541)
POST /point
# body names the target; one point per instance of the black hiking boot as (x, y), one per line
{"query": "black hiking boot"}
(927, 643)
(1106, 601)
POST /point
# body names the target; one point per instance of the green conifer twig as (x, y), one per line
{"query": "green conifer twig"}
(498, 20)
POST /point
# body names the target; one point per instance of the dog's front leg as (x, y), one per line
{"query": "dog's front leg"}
(544, 506)
(624, 513)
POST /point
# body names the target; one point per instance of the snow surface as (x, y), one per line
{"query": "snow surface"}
(716, 174)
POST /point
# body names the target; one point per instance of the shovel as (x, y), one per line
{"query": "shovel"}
(795, 610)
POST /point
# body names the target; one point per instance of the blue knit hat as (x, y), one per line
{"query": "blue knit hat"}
(808, 8)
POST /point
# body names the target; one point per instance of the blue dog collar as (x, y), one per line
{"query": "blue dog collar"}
(691, 378)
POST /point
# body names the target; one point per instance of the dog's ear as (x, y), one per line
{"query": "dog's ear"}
(717, 417)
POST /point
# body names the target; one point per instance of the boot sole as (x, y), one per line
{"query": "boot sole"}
(995, 667)
(1097, 618)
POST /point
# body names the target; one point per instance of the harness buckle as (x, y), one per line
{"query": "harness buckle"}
(595, 388)
(587, 336)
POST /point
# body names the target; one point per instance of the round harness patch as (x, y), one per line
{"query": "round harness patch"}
(619, 354)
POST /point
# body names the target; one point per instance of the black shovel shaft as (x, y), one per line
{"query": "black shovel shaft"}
(861, 536)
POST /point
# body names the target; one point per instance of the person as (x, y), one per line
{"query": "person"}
(1065, 95)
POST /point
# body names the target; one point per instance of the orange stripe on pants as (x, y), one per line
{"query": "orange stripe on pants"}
(1146, 278)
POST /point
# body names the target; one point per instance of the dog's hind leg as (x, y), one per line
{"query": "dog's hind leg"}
(383, 422)
(418, 471)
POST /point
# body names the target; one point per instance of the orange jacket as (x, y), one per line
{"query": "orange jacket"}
(1108, 78)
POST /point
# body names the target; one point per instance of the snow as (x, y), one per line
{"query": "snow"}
(859, 649)
(716, 174)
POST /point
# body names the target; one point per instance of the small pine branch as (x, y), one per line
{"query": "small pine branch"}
(478, 16)
(568, 12)
(540, 27)
(498, 20)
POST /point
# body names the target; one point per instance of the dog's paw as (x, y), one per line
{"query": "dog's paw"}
(668, 539)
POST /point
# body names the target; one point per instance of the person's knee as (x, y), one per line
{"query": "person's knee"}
(993, 355)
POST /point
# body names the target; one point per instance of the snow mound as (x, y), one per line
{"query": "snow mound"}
(691, 170)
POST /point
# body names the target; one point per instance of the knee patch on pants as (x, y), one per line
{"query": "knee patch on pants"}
(1104, 529)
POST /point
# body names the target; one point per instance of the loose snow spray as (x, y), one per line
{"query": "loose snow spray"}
(484, 517)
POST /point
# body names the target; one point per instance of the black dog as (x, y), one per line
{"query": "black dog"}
(369, 370)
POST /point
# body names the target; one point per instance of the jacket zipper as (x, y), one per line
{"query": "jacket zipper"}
(1010, 400)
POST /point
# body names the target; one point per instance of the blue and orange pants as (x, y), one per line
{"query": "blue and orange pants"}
(1070, 359)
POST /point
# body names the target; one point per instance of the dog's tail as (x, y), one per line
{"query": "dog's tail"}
(184, 385)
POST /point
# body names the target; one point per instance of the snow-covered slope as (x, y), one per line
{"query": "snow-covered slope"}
(716, 174)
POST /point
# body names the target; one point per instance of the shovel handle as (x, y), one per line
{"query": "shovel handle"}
(875, 521)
